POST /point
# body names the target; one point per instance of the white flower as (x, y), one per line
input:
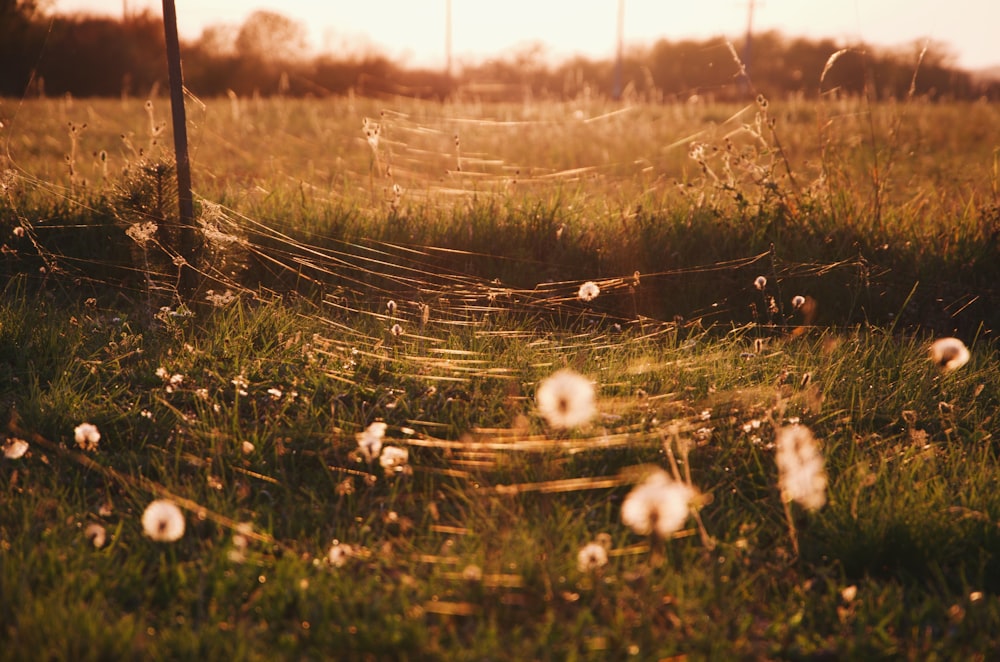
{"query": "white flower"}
(87, 436)
(15, 448)
(659, 504)
(370, 441)
(394, 459)
(798, 301)
(760, 282)
(247, 447)
(338, 554)
(566, 399)
(163, 521)
(591, 556)
(396, 330)
(96, 534)
(949, 354)
(588, 291)
(801, 476)
(275, 393)
(161, 372)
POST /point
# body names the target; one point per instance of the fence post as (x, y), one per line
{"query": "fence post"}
(185, 201)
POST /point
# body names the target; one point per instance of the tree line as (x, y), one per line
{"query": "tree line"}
(49, 55)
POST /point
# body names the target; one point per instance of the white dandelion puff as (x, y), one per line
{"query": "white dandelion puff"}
(588, 291)
(565, 399)
(949, 354)
(370, 441)
(163, 521)
(801, 475)
(393, 459)
(87, 435)
(760, 282)
(96, 534)
(658, 505)
(338, 554)
(591, 556)
(396, 330)
(15, 448)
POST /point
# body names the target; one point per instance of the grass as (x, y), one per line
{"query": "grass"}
(243, 405)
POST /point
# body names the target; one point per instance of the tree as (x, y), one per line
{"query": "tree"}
(269, 36)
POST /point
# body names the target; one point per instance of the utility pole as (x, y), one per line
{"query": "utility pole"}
(185, 202)
(616, 93)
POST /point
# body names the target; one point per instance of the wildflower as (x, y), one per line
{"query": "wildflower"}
(15, 448)
(396, 330)
(247, 447)
(96, 534)
(848, 593)
(370, 441)
(394, 459)
(338, 554)
(588, 291)
(591, 556)
(566, 399)
(391, 307)
(798, 301)
(760, 282)
(163, 521)
(161, 372)
(658, 505)
(949, 354)
(87, 436)
(801, 476)
(275, 393)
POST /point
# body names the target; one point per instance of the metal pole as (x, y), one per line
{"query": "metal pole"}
(185, 201)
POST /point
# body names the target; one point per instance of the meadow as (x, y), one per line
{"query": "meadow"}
(705, 281)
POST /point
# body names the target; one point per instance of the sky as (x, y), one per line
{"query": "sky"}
(413, 31)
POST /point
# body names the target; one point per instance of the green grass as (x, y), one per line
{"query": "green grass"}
(473, 554)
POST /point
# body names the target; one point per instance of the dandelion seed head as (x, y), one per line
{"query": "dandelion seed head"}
(339, 554)
(394, 459)
(96, 534)
(15, 448)
(588, 291)
(949, 354)
(760, 282)
(801, 475)
(163, 521)
(591, 556)
(370, 441)
(658, 505)
(87, 435)
(396, 330)
(565, 399)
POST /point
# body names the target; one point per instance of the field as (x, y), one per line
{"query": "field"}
(708, 281)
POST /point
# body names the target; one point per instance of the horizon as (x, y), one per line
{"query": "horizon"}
(414, 34)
